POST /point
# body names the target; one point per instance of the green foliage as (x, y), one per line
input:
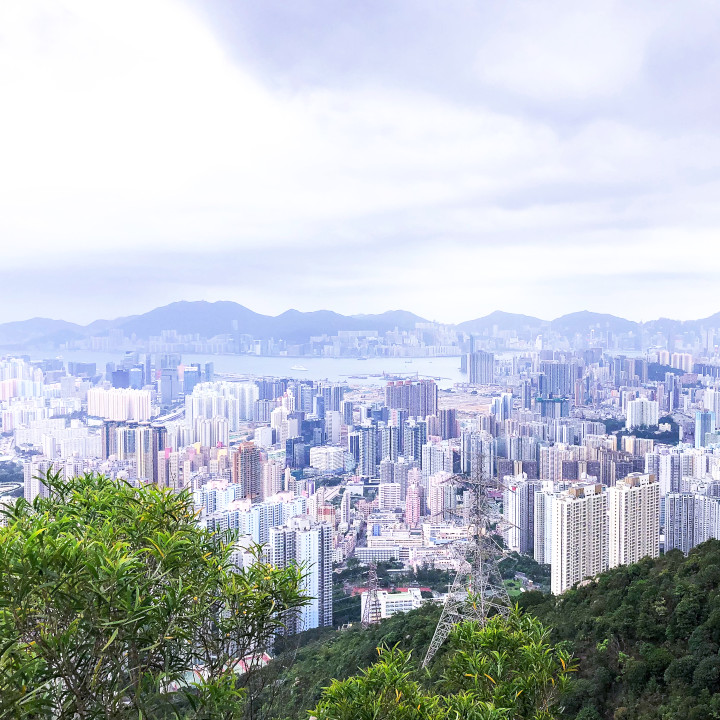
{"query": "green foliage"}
(533, 570)
(114, 603)
(648, 635)
(10, 472)
(505, 669)
(305, 664)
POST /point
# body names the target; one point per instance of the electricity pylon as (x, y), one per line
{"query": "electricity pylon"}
(371, 612)
(478, 591)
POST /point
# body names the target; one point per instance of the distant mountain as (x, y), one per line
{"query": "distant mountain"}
(201, 317)
(390, 320)
(504, 321)
(582, 322)
(217, 318)
(208, 319)
(38, 331)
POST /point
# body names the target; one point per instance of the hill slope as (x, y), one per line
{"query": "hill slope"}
(647, 635)
(647, 638)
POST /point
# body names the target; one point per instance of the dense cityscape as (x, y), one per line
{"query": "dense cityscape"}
(598, 458)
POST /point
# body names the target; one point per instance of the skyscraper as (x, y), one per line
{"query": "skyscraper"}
(481, 368)
(580, 536)
(543, 512)
(309, 546)
(413, 505)
(680, 522)
(704, 424)
(367, 451)
(418, 397)
(634, 514)
(519, 513)
(556, 379)
(246, 470)
(448, 423)
(642, 412)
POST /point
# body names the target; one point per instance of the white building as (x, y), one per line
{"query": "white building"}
(542, 529)
(121, 404)
(310, 546)
(642, 412)
(634, 519)
(389, 496)
(327, 458)
(393, 603)
(579, 536)
(519, 512)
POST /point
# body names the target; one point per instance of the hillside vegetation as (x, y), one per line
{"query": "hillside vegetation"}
(647, 638)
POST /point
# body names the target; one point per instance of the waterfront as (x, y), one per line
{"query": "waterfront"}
(445, 370)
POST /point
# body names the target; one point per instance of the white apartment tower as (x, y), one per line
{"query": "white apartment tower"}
(309, 546)
(543, 515)
(642, 412)
(579, 536)
(519, 512)
(634, 519)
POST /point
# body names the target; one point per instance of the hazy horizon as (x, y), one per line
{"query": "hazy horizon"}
(438, 320)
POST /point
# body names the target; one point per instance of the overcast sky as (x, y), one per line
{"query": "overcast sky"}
(449, 158)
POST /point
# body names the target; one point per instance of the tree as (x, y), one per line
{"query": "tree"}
(115, 603)
(504, 669)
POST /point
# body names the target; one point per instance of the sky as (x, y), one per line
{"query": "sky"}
(448, 158)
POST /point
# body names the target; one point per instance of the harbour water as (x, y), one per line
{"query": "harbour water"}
(372, 371)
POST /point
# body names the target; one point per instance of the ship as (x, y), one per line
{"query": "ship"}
(299, 367)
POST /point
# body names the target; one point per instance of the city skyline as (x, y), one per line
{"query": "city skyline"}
(541, 159)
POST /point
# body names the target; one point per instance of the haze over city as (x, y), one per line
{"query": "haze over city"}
(445, 159)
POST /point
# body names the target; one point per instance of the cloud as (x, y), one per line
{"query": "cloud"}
(450, 160)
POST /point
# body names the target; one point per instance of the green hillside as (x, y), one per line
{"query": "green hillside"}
(647, 638)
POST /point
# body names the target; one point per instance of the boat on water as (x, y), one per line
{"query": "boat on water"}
(299, 367)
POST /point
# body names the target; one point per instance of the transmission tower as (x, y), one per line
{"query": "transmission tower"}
(371, 613)
(478, 591)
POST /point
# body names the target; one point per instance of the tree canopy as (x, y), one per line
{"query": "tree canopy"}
(504, 669)
(115, 603)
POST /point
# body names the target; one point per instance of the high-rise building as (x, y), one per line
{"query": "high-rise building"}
(555, 379)
(246, 470)
(273, 477)
(634, 519)
(414, 437)
(481, 368)
(642, 412)
(389, 496)
(519, 513)
(390, 441)
(704, 424)
(680, 521)
(309, 546)
(124, 405)
(437, 456)
(448, 423)
(367, 451)
(413, 503)
(169, 385)
(543, 511)
(580, 536)
(418, 397)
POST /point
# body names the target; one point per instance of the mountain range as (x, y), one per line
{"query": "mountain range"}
(209, 319)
